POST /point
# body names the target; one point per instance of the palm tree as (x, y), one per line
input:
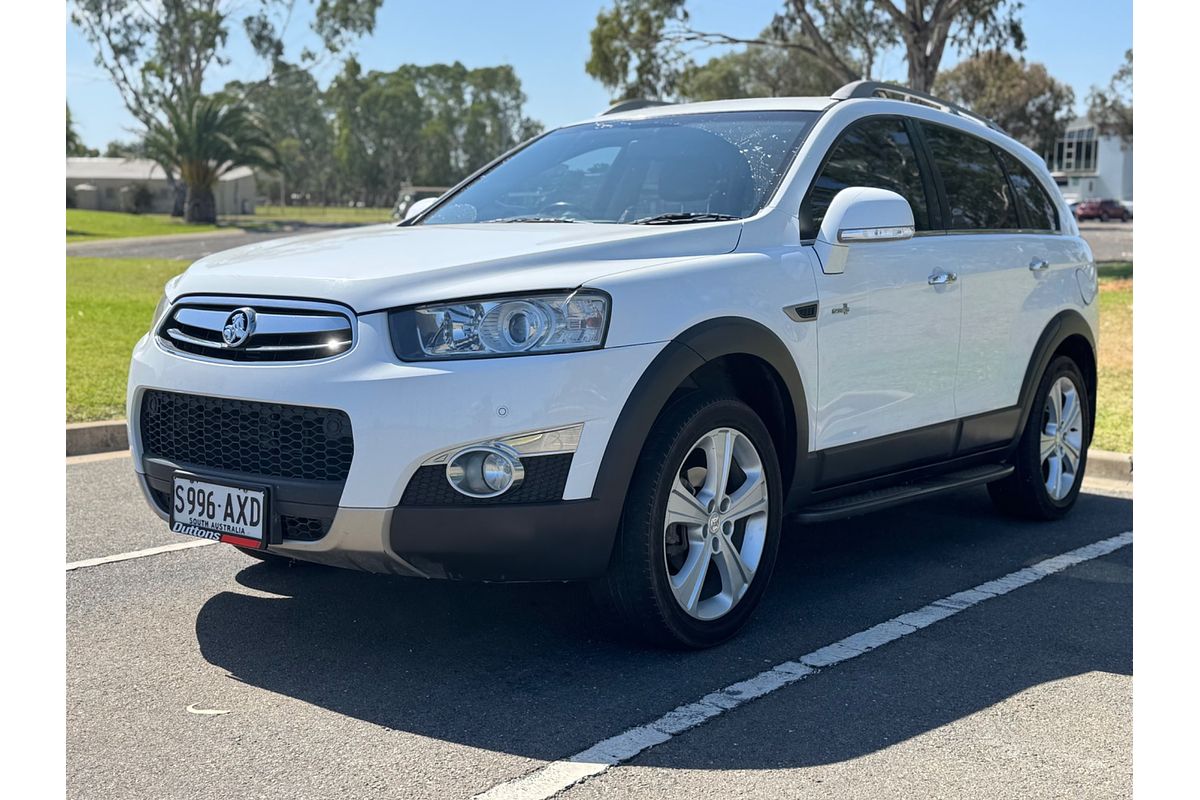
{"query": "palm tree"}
(201, 139)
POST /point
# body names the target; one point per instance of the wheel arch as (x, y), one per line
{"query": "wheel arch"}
(1069, 334)
(732, 354)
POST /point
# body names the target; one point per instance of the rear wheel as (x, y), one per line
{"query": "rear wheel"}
(1052, 455)
(700, 528)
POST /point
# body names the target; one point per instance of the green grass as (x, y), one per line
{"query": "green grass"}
(1114, 404)
(1114, 270)
(109, 305)
(328, 215)
(86, 226)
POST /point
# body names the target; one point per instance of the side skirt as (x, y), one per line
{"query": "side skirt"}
(876, 499)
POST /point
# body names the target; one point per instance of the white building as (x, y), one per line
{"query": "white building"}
(1088, 165)
(111, 184)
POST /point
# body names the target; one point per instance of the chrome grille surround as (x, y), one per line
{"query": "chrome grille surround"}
(284, 330)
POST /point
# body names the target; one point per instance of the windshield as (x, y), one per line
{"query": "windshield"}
(686, 168)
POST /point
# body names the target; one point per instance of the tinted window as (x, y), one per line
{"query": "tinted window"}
(625, 170)
(976, 189)
(876, 153)
(1036, 205)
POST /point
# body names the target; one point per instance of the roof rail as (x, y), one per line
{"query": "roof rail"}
(632, 105)
(859, 89)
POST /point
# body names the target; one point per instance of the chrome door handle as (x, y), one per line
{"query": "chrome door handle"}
(1039, 264)
(941, 278)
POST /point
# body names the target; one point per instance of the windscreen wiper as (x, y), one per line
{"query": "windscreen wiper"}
(534, 219)
(684, 217)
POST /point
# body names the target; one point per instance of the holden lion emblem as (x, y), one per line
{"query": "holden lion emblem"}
(239, 327)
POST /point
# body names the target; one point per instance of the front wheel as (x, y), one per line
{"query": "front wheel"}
(1052, 455)
(700, 528)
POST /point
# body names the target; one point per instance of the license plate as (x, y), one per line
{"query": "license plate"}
(223, 512)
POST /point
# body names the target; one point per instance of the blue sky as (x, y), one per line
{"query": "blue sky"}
(546, 41)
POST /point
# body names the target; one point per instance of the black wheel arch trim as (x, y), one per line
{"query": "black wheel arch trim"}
(668, 372)
(1061, 327)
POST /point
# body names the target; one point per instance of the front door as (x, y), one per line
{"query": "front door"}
(887, 336)
(888, 343)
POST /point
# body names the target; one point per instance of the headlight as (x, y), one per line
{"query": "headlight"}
(159, 310)
(504, 326)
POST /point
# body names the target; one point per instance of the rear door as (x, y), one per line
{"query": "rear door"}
(887, 338)
(1010, 269)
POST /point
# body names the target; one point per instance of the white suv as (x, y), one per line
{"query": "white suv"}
(625, 350)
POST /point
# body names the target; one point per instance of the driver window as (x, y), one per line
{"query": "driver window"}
(874, 152)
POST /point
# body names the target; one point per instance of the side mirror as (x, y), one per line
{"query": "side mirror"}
(857, 216)
(419, 207)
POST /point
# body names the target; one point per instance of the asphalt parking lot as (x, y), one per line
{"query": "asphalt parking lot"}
(201, 673)
(1110, 241)
(190, 247)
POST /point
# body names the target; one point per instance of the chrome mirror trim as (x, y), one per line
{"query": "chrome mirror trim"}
(885, 233)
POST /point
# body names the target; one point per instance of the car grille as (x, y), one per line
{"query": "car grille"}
(273, 330)
(266, 439)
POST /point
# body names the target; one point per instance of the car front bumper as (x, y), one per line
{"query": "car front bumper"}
(401, 415)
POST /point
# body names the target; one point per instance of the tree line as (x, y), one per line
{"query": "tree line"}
(652, 48)
(368, 134)
(359, 140)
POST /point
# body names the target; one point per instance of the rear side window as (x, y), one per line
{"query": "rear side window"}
(977, 194)
(1036, 205)
(873, 152)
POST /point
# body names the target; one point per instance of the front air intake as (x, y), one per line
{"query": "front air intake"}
(270, 440)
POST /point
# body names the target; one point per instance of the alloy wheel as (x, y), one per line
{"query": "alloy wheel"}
(1062, 438)
(716, 523)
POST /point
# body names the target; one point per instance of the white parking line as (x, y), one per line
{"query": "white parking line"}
(558, 776)
(149, 551)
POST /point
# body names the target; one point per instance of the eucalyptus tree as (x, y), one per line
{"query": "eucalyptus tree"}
(1023, 98)
(647, 47)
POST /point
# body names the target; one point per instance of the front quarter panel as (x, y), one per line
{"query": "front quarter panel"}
(658, 303)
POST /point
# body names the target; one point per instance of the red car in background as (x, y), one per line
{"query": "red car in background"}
(1103, 210)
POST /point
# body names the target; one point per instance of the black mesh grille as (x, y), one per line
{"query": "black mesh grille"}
(258, 438)
(545, 478)
(308, 529)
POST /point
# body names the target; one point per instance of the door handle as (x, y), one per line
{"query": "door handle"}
(941, 278)
(1039, 264)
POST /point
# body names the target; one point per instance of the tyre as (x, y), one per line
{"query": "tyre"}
(700, 529)
(1052, 455)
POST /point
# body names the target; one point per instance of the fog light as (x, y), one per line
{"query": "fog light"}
(485, 470)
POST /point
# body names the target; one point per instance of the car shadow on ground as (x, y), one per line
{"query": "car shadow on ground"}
(530, 670)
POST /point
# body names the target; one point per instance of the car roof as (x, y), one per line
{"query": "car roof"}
(717, 106)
